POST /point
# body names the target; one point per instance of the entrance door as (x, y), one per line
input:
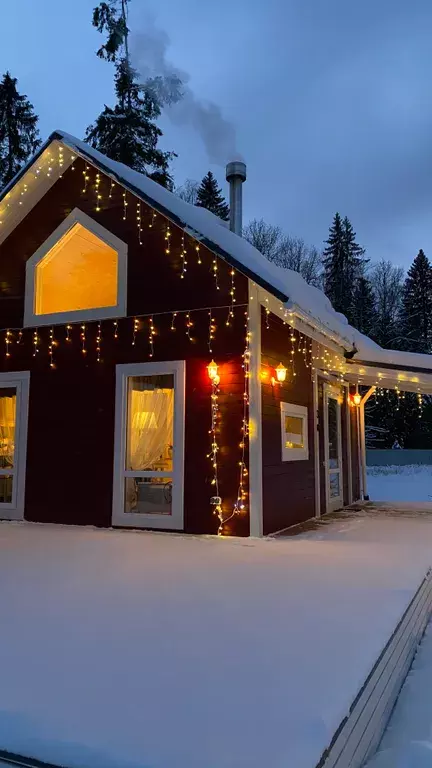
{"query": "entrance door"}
(333, 449)
(14, 394)
(149, 445)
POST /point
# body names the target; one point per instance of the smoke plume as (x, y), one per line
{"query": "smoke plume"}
(183, 107)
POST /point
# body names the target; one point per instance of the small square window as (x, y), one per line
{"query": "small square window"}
(294, 424)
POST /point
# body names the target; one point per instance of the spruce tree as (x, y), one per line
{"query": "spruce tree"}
(343, 265)
(417, 306)
(19, 135)
(128, 132)
(363, 309)
(210, 196)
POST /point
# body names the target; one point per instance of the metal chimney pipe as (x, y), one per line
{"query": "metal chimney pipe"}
(235, 176)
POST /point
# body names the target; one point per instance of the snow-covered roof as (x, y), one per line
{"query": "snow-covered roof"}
(288, 286)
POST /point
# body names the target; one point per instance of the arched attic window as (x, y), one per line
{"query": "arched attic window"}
(79, 273)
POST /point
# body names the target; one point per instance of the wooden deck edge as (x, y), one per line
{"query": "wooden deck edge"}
(360, 733)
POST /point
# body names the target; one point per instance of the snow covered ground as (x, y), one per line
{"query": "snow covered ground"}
(144, 650)
(407, 742)
(404, 483)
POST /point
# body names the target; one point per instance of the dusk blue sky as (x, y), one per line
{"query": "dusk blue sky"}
(331, 101)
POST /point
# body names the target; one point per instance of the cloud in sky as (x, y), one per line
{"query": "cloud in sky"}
(331, 102)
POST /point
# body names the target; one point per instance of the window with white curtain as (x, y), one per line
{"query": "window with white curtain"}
(150, 438)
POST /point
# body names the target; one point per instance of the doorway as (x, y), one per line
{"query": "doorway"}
(149, 445)
(333, 447)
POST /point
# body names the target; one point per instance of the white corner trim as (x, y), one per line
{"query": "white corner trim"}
(21, 381)
(31, 319)
(316, 445)
(175, 521)
(255, 415)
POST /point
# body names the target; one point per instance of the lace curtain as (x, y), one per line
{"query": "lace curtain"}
(150, 433)
(7, 430)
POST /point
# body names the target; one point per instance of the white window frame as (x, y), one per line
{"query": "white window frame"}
(299, 412)
(31, 319)
(14, 510)
(175, 521)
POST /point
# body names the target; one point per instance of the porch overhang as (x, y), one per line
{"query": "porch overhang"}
(407, 378)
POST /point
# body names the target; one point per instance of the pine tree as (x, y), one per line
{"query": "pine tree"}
(417, 306)
(343, 265)
(363, 310)
(19, 135)
(210, 196)
(128, 132)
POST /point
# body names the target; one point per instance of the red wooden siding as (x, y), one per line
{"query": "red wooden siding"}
(71, 417)
(288, 486)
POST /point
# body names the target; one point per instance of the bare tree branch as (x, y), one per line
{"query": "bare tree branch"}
(188, 191)
(285, 251)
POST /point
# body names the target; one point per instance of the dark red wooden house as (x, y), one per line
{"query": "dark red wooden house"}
(158, 372)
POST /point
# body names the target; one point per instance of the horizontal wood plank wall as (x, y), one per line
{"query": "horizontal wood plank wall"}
(355, 454)
(71, 413)
(288, 486)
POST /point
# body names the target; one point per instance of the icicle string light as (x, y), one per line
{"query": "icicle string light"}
(98, 341)
(86, 179)
(51, 346)
(139, 222)
(136, 327)
(83, 339)
(183, 256)
(112, 185)
(152, 220)
(212, 331)
(35, 342)
(188, 325)
(152, 334)
(8, 342)
(115, 329)
(19, 339)
(125, 206)
(168, 240)
(68, 330)
(215, 270)
(198, 253)
(97, 192)
(173, 321)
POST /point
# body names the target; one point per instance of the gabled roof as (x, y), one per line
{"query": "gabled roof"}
(286, 285)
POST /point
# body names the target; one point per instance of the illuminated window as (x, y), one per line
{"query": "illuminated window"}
(79, 273)
(149, 445)
(294, 427)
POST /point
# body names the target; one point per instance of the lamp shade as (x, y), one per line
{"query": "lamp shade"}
(212, 370)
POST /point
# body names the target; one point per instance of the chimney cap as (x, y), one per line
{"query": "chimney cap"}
(236, 169)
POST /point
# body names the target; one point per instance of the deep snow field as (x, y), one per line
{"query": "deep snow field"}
(123, 649)
(409, 483)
